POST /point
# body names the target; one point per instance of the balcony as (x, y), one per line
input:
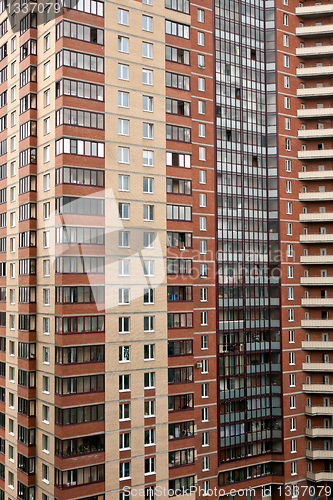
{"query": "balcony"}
(318, 453)
(316, 175)
(317, 323)
(316, 196)
(315, 133)
(314, 154)
(317, 367)
(316, 280)
(317, 302)
(318, 477)
(316, 238)
(319, 410)
(314, 10)
(314, 112)
(315, 31)
(316, 259)
(310, 71)
(316, 217)
(315, 92)
(318, 388)
(314, 51)
(317, 345)
(319, 431)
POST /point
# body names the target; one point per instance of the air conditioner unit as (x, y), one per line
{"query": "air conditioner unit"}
(198, 365)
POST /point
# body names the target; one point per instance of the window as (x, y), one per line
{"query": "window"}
(290, 293)
(10, 480)
(201, 61)
(177, 81)
(124, 267)
(290, 271)
(149, 380)
(123, 99)
(291, 315)
(47, 42)
(123, 210)
(177, 55)
(47, 98)
(202, 130)
(150, 465)
(203, 294)
(124, 383)
(147, 50)
(286, 61)
(124, 353)
(203, 247)
(149, 352)
(47, 69)
(124, 324)
(123, 239)
(147, 103)
(201, 84)
(203, 223)
(148, 212)
(289, 229)
(147, 76)
(285, 19)
(148, 185)
(125, 441)
(148, 158)
(123, 44)
(287, 102)
(46, 355)
(124, 411)
(293, 424)
(149, 408)
(288, 186)
(123, 71)
(286, 82)
(149, 323)
(287, 123)
(292, 402)
(201, 38)
(149, 437)
(147, 130)
(204, 318)
(123, 17)
(201, 16)
(147, 23)
(45, 474)
(286, 40)
(289, 209)
(123, 182)
(45, 443)
(124, 296)
(46, 385)
(123, 155)
(202, 153)
(148, 240)
(202, 176)
(148, 268)
(205, 463)
(293, 468)
(288, 144)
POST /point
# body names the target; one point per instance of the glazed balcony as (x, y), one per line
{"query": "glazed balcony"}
(314, 112)
(319, 432)
(317, 302)
(315, 92)
(319, 410)
(317, 345)
(310, 71)
(319, 453)
(316, 259)
(314, 51)
(318, 477)
(317, 367)
(314, 10)
(314, 154)
(316, 196)
(318, 388)
(316, 281)
(316, 175)
(315, 31)
(317, 323)
(315, 133)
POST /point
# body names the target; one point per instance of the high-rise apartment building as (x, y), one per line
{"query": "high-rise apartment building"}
(166, 218)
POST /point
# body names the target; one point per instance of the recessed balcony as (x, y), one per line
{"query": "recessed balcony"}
(314, 10)
(318, 388)
(316, 280)
(316, 175)
(317, 367)
(316, 238)
(317, 323)
(319, 431)
(310, 71)
(318, 477)
(314, 112)
(319, 410)
(316, 259)
(315, 92)
(314, 51)
(318, 453)
(317, 302)
(316, 196)
(314, 154)
(315, 133)
(314, 31)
